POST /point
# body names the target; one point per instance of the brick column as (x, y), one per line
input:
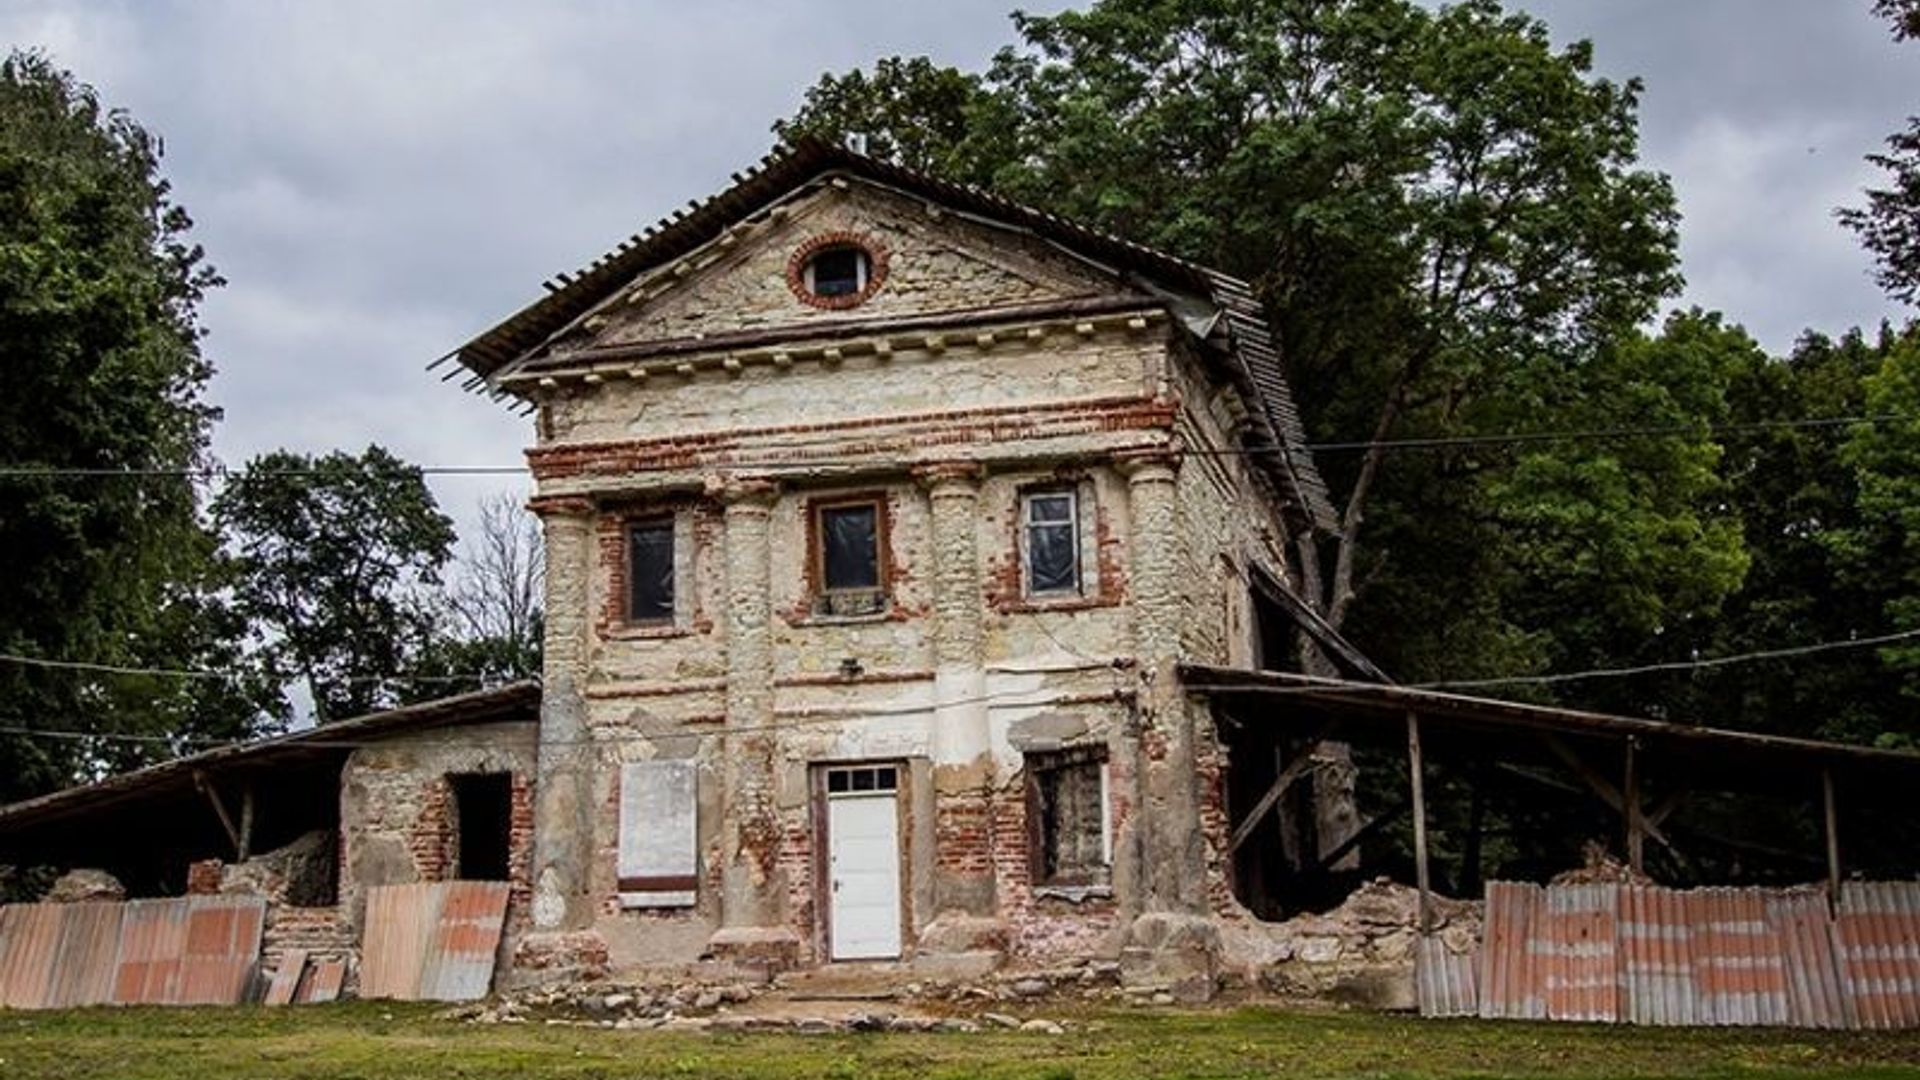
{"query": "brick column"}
(562, 818)
(752, 886)
(963, 778)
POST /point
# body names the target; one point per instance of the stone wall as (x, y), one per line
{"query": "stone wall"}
(397, 813)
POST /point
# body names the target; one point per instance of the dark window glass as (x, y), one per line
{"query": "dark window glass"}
(836, 272)
(1072, 820)
(1053, 544)
(850, 547)
(650, 572)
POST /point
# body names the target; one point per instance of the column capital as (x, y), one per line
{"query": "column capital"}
(947, 474)
(744, 493)
(563, 506)
(1148, 464)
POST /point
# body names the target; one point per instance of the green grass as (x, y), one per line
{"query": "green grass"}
(378, 1040)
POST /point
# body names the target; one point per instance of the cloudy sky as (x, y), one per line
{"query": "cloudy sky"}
(379, 180)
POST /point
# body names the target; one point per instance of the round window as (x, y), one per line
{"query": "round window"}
(838, 270)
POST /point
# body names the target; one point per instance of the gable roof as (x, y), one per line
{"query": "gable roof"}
(1240, 333)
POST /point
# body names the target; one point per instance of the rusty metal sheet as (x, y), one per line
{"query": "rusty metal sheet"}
(286, 977)
(89, 942)
(1509, 986)
(1802, 923)
(153, 935)
(1656, 958)
(322, 983)
(222, 949)
(1578, 935)
(1445, 982)
(459, 960)
(1877, 936)
(1739, 972)
(433, 941)
(32, 939)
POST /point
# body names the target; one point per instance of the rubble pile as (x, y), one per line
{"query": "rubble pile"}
(1599, 867)
(79, 886)
(1360, 952)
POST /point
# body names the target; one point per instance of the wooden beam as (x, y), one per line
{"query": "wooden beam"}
(1665, 808)
(1831, 808)
(219, 808)
(1360, 835)
(1630, 791)
(1419, 794)
(1281, 783)
(1600, 785)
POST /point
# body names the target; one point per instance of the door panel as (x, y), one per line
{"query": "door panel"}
(863, 867)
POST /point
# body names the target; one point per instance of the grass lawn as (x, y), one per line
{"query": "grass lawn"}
(377, 1040)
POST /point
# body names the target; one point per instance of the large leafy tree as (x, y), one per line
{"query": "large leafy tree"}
(100, 339)
(337, 558)
(1445, 216)
(1889, 224)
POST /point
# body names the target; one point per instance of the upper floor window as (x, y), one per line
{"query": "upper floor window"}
(839, 271)
(650, 571)
(1050, 542)
(848, 541)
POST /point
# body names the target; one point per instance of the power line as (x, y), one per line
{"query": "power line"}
(218, 675)
(1037, 700)
(1418, 443)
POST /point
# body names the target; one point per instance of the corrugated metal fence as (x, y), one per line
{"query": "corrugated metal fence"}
(1644, 955)
(432, 942)
(193, 950)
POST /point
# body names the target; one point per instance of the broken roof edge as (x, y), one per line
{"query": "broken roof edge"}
(1496, 712)
(570, 296)
(494, 705)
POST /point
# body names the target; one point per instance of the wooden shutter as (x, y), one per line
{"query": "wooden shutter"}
(659, 862)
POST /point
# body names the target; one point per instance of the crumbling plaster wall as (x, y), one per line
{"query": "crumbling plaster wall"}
(397, 818)
(960, 676)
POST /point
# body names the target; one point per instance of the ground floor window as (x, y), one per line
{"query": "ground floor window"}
(1067, 813)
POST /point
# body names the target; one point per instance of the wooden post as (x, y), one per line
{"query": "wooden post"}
(245, 845)
(1630, 794)
(1833, 834)
(1419, 822)
(219, 808)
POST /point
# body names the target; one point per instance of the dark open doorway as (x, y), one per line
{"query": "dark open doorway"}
(483, 815)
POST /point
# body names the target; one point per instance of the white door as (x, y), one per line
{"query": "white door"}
(863, 862)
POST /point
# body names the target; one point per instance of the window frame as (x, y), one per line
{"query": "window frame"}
(629, 527)
(1037, 764)
(862, 271)
(1027, 498)
(822, 595)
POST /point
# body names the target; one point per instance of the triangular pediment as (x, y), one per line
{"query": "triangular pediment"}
(928, 261)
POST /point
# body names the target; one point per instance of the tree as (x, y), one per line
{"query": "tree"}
(336, 559)
(1889, 225)
(1446, 219)
(100, 289)
(492, 626)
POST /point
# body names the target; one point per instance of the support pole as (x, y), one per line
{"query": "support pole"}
(245, 845)
(1630, 793)
(1414, 771)
(1833, 834)
(219, 808)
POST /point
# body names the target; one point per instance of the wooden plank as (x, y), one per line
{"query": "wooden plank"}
(1630, 791)
(1832, 816)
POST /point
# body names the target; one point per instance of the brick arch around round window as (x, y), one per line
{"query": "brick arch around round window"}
(877, 261)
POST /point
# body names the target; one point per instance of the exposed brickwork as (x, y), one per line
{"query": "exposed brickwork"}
(203, 877)
(878, 263)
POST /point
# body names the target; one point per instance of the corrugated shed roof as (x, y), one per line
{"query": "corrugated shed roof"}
(1242, 334)
(516, 701)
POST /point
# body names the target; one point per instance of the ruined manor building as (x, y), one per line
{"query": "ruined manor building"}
(878, 514)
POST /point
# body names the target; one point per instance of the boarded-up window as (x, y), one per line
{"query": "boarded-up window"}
(658, 857)
(650, 571)
(1067, 802)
